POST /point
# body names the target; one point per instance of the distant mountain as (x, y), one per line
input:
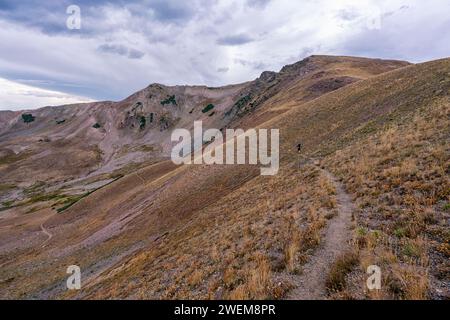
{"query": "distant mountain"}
(102, 137)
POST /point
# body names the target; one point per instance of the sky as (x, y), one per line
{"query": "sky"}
(123, 46)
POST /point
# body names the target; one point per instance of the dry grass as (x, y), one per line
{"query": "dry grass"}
(257, 283)
(253, 243)
(291, 250)
(409, 282)
(400, 177)
(195, 278)
(336, 278)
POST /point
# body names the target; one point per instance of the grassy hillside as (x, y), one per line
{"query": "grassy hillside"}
(381, 144)
(258, 237)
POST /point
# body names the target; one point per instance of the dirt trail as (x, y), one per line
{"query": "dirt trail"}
(48, 234)
(311, 284)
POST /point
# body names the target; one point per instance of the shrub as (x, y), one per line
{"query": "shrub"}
(290, 251)
(209, 107)
(415, 249)
(169, 100)
(164, 122)
(7, 204)
(96, 126)
(28, 117)
(342, 266)
(446, 207)
(243, 101)
(142, 122)
(400, 232)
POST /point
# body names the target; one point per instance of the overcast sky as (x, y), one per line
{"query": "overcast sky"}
(123, 46)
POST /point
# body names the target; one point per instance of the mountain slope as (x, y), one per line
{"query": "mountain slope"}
(266, 230)
(225, 231)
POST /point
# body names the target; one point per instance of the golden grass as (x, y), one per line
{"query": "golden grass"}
(257, 282)
(336, 278)
(399, 178)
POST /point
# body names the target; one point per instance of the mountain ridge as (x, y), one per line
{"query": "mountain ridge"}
(146, 117)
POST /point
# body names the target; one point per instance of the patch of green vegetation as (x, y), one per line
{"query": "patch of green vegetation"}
(142, 122)
(400, 232)
(35, 188)
(242, 102)
(145, 148)
(8, 204)
(411, 250)
(45, 197)
(361, 231)
(6, 187)
(96, 126)
(169, 100)
(28, 117)
(377, 234)
(71, 200)
(446, 207)
(208, 108)
(34, 198)
(11, 158)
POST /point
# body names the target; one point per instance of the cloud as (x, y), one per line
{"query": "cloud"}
(256, 65)
(348, 14)
(112, 48)
(411, 33)
(125, 45)
(235, 40)
(16, 96)
(121, 50)
(223, 70)
(258, 3)
(135, 54)
(169, 10)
